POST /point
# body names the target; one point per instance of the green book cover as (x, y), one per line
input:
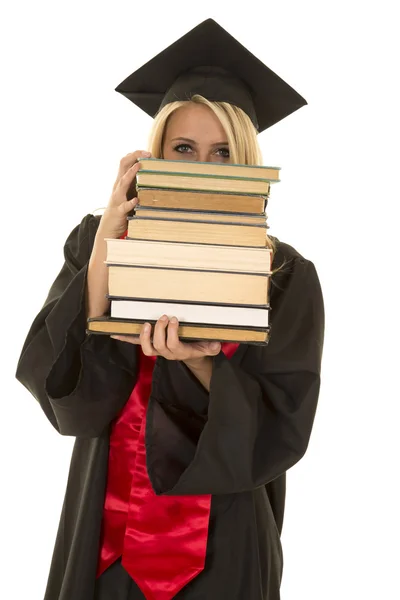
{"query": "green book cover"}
(204, 176)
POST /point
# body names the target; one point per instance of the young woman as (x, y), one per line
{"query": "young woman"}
(177, 479)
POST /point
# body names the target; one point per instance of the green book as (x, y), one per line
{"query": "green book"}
(192, 167)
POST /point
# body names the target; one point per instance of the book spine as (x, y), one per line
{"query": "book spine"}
(186, 323)
(217, 192)
(188, 220)
(161, 162)
(189, 269)
(258, 247)
(194, 302)
(187, 199)
(187, 338)
(173, 174)
(197, 211)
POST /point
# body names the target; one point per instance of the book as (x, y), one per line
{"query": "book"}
(195, 200)
(210, 287)
(142, 310)
(197, 232)
(207, 168)
(216, 183)
(199, 215)
(188, 256)
(195, 249)
(188, 332)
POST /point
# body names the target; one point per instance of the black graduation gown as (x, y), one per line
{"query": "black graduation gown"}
(236, 443)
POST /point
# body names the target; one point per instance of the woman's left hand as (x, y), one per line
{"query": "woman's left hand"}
(166, 342)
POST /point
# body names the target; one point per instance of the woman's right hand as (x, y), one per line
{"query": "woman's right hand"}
(114, 219)
(113, 224)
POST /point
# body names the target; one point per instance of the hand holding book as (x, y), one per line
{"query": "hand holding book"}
(113, 224)
(164, 341)
(114, 219)
(198, 254)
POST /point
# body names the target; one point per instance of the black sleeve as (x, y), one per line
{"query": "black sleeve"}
(81, 381)
(257, 419)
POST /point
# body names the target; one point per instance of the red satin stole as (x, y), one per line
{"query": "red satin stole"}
(162, 539)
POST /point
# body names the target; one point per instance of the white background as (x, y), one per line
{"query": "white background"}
(64, 130)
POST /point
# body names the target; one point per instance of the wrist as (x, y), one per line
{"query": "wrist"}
(111, 226)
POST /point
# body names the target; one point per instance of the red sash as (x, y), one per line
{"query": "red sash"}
(162, 539)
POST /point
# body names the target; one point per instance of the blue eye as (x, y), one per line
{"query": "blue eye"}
(180, 146)
(186, 148)
(224, 150)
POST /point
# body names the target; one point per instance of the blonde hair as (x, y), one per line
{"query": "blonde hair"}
(239, 129)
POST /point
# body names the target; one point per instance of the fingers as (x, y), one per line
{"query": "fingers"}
(123, 200)
(147, 346)
(165, 339)
(193, 350)
(127, 179)
(121, 197)
(126, 185)
(127, 162)
(174, 344)
(130, 160)
(143, 340)
(125, 189)
(166, 342)
(159, 337)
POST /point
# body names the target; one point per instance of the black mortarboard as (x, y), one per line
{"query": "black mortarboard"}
(209, 61)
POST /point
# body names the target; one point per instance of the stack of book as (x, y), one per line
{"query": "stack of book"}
(195, 249)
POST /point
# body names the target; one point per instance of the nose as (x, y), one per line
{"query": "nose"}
(203, 156)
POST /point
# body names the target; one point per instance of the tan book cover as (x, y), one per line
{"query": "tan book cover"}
(197, 232)
(195, 200)
(143, 212)
(211, 169)
(201, 183)
(109, 326)
(189, 256)
(183, 285)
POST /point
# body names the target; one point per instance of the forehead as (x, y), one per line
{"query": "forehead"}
(194, 121)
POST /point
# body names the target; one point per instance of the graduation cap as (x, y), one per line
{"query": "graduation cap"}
(211, 62)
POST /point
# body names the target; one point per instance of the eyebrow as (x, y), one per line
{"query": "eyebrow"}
(194, 142)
